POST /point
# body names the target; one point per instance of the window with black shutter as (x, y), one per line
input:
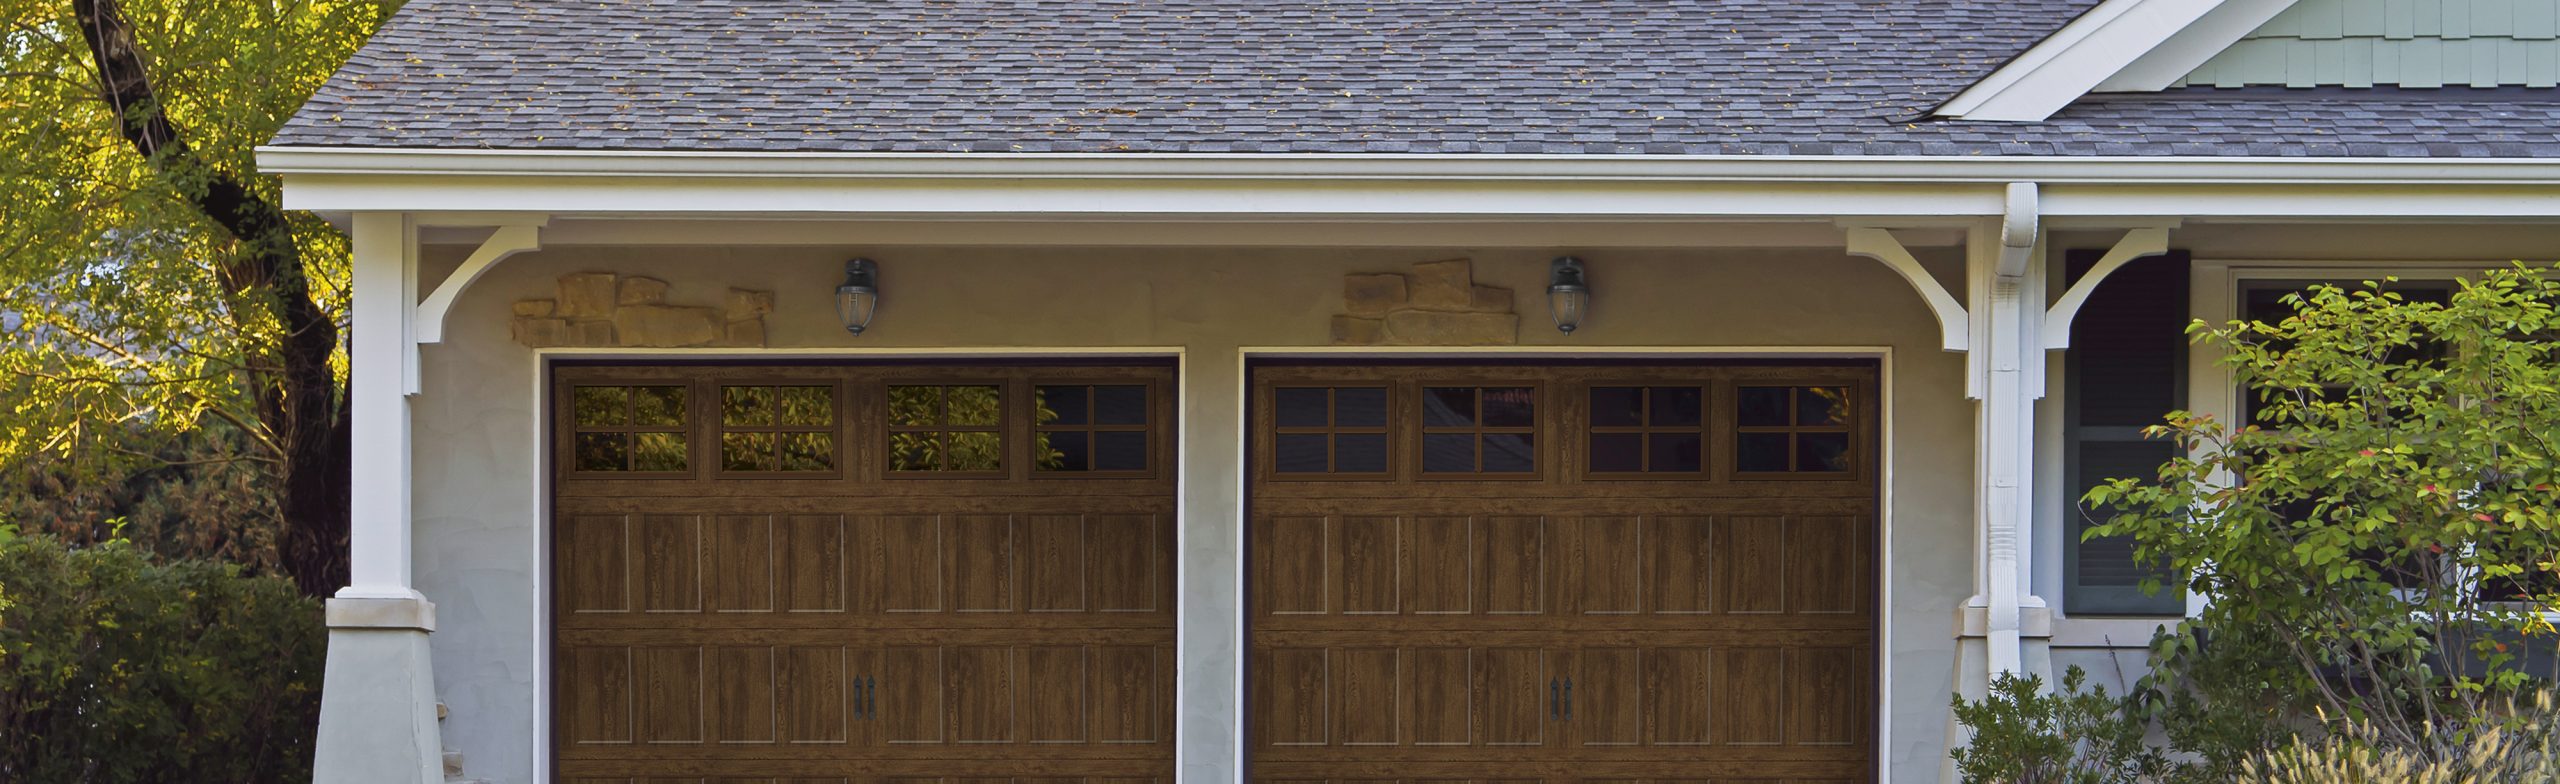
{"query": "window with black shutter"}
(2126, 370)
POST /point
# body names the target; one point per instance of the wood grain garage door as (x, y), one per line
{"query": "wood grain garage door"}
(859, 574)
(1562, 574)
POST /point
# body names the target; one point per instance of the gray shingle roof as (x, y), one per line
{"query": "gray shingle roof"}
(1840, 77)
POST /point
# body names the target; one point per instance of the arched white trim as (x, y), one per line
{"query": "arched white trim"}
(506, 241)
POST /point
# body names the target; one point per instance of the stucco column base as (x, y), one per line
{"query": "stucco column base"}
(377, 696)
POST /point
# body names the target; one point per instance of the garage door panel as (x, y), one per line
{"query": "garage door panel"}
(741, 564)
(1128, 688)
(1128, 567)
(1442, 695)
(1609, 708)
(1820, 682)
(910, 695)
(1056, 564)
(1293, 692)
(596, 687)
(1443, 571)
(1680, 685)
(1516, 690)
(910, 564)
(669, 566)
(814, 693)
(985, 559)
(595, 564)
(1512, 559)
(1056, 705)
(1370, 554)
(1292, 555)
(1366, 696)
(742, 694)
(1682, 573)
(1751, 554)
(1605, 565)
(669, 684)
(1827, 566)
(1752, 701)
(815, 562)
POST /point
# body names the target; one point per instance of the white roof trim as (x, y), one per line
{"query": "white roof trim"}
(2118, 43)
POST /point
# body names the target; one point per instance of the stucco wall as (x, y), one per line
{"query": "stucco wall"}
(479, 538)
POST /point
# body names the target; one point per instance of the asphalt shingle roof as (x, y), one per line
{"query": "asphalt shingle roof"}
(1742, 77)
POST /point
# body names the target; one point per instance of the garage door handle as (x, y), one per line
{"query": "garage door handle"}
(1554, 702)
(1568, 699)
(870, 698)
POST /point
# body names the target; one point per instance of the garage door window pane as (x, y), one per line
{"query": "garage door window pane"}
(1329, 431)
(946, 429)
(1648, 432)
(1076, 423)
(778, 429)
(628, 429)
(1794, 430)
(1476, 431)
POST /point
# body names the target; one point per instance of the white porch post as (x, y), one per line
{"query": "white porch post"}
(2006, 275)
(1209, 638)
(377, 701)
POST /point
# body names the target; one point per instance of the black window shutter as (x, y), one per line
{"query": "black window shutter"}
(2127, 367)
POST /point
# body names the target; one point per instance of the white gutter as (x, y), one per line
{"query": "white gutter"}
(2049, 170)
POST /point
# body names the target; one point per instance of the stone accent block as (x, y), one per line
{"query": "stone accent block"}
(598, 309)
(666, 325)
(1358, 331)
(586, 295)
(643, 291)
(1373, 295)
(1439, 304)
(744, 304)
(1433, 328)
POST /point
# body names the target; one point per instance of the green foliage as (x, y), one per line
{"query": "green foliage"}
(126, 322)
(2024, 735)
(2388, 529)
(117, 668)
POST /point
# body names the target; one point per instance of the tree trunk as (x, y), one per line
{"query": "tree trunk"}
(299, 403)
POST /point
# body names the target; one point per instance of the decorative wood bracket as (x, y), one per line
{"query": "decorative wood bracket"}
(2138, 243)
(426, 322)
(1879, 244)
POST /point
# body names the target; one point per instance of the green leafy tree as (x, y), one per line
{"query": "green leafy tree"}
(158, 306)
(2381, 538)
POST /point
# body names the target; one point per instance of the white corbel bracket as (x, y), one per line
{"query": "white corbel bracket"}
(2138, 243)
(1879, 244)
(428, 321)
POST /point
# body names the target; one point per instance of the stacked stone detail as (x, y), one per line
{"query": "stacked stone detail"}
(1437, 304)
(603, 309)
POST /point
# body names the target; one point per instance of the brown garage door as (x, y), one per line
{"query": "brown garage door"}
(856, 574)
(1583, 573)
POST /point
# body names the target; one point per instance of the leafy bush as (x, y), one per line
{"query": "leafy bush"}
(2382, 529)
(2024, 735)
(116, 668)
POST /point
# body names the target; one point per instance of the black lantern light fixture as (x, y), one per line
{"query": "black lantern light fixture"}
(1568, 293)
(859, 298)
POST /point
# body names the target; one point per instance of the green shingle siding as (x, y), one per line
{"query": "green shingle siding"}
(2406, 43)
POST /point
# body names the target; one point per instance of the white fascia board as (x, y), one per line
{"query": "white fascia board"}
(2183, 53)
(2077, 58)
(1067, 186)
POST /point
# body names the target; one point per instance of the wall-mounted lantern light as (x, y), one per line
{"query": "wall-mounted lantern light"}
(859, 298)
(1568, 293)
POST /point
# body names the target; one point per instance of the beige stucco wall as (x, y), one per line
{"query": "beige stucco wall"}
(479, 538)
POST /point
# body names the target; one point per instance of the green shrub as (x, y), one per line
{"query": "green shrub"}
(2024, 735)
(116, 668)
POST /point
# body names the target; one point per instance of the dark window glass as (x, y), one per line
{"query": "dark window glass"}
(1675, 452)
(1120, 405)
(1360, 407)
(1822, 452)
(748, 452)
(1060, 405)
(1510, 406)
(1449, 453)
(657, 406)
(601, 451)
(601, 406)
(1822, 406)
(1065, 450)
(1678, 406)
(748, 406)
(1076, 423)
(1302, 453)
(1301, 407)
(1617, 452)
(1449, 406)
(1120, 450)
(1761, 452)
(1510, 453)
(1617, 406)
(657, 452)
(1358, 453)
(808, 451)
(1761, 406)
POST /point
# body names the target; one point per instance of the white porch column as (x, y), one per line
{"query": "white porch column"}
(1209, 640)
(377, 700)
